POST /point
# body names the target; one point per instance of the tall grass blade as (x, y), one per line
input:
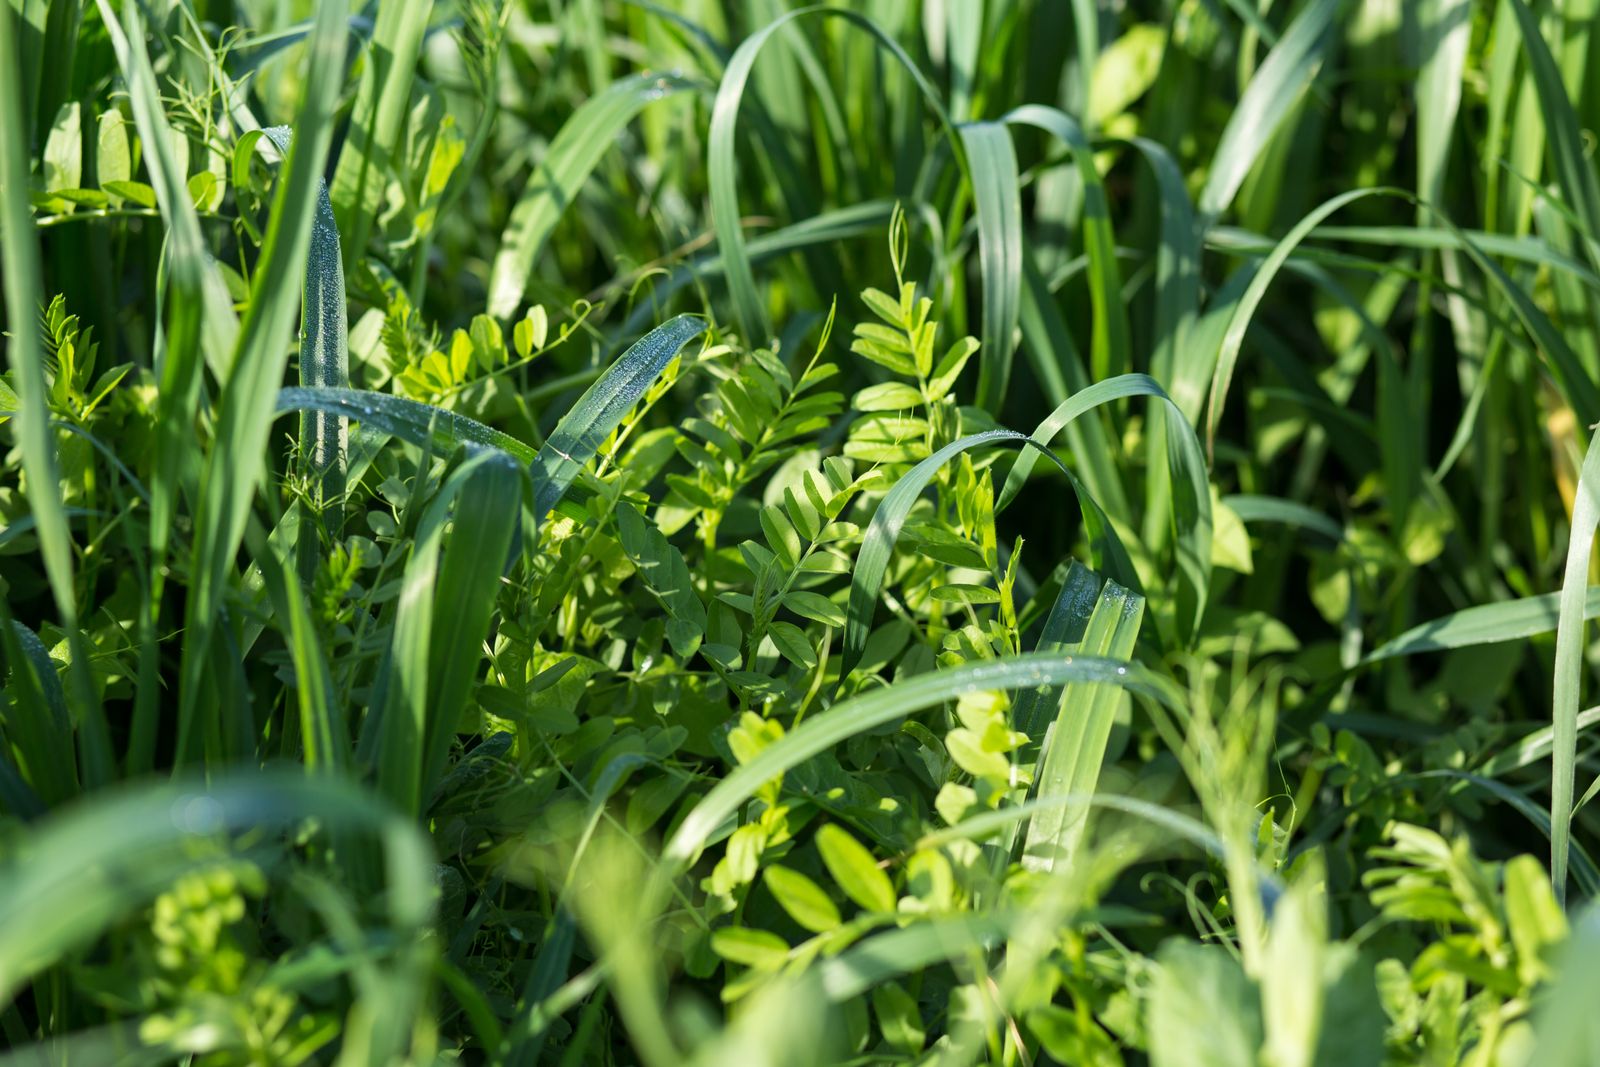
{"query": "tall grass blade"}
(324, 364)
(237, 460)
(992, 163)
(1574, 605)
(367, 163)
(749, 311)
(572, 156)
(1076, 745)
(19, 262)
(446, 598)
(1273, 93)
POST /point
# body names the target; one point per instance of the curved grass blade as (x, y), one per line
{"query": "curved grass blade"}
(1060, 373)
(572, 156)
(1584, 870)
(992, 163)
(908, 951)
(1574, 609)
(1244, 310)
(1272, 94)
(877, 544)
(722, 169)
(1191, 499)
(412, 421)
(858, 220)
(1486, 624)
(883, 705)
(1531, 748)
(978, 826)
(583, 429)
(324, 364)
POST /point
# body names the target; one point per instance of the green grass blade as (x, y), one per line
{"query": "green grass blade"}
(1110, 350)
(1191, 496)
(992, 164)
(1564, 135)
(886, 704)
(572, 156)
(1076, 747)
(1064, 626)
(1177, 261)
(909, 950)
(1446, 27)
(238, 458)
(446, 598)
(582, 430)
(1244, 309)
(1575, 604)
(1271, 95)
(36, 717)
(1486, 624)
(19, 263)
(1060, 373)
(412, 421)
(324, 364)
(749, 311)
(1253, 508)
(378, 120)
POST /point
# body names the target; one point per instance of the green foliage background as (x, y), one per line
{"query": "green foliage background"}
(610, 531)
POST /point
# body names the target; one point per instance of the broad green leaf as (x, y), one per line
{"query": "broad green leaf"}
(855, 869)
(1203, 1010)
(760, 949)
(804, 900)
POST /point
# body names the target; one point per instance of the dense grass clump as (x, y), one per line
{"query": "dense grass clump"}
(977, 531)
